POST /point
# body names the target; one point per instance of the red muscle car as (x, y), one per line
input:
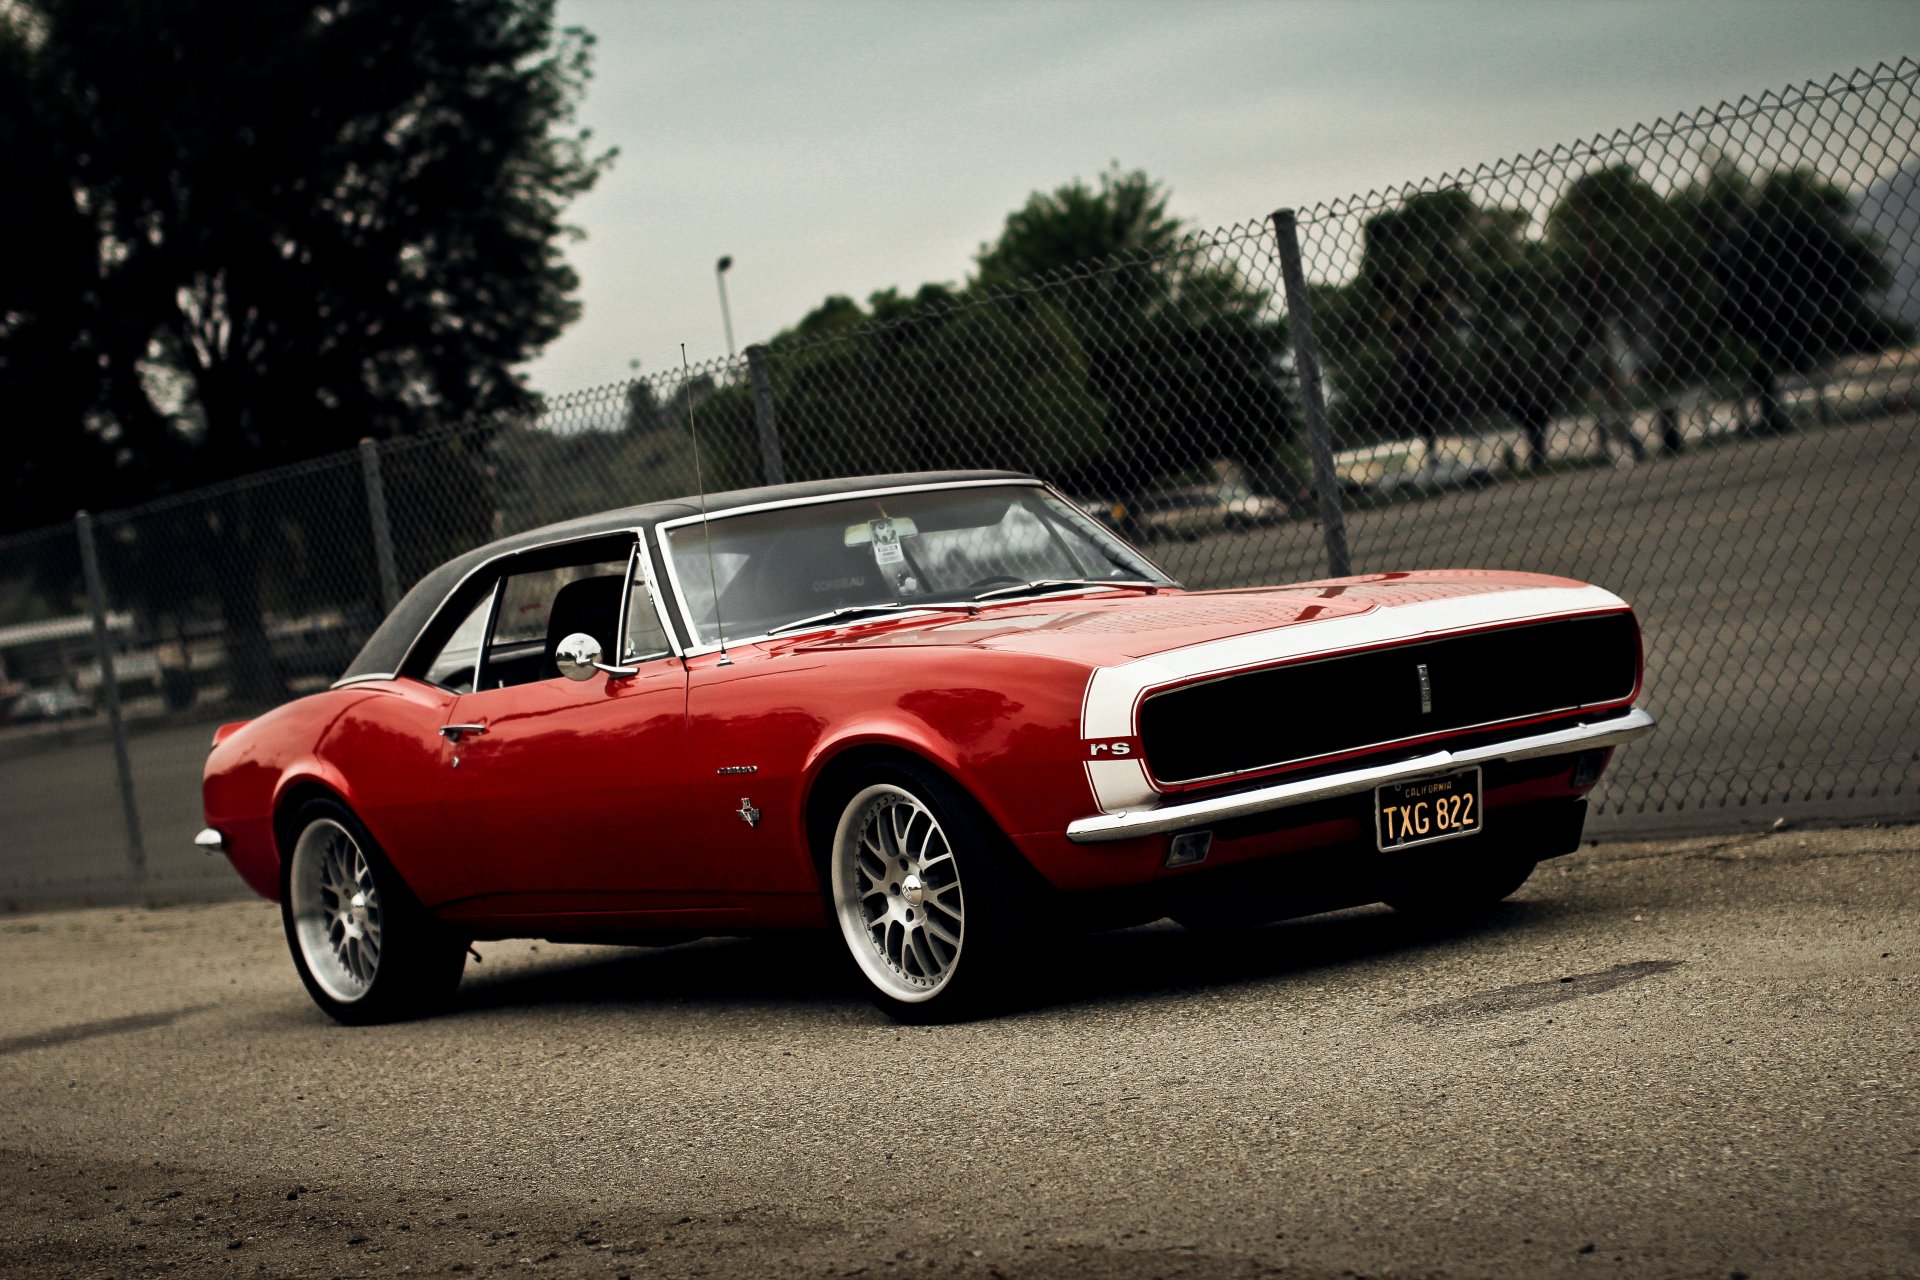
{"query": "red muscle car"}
(946, 715)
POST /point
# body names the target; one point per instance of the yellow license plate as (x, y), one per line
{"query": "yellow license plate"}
(1442, 808)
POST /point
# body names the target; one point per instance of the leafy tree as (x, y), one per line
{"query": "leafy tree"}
(1637, 285)
(1121, 224)
(1636, 270)
(264, 231)
(1796, 279)
(1436, 322)
(1456, 312)
(928, 383)
(1096, 344)
(1180, 350)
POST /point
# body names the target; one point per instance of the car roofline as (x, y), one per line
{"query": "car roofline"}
(530, 543)
(385, 650)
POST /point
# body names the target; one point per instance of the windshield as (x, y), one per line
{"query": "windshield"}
(926, 548)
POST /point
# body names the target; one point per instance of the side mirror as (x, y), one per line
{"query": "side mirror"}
(577, 656)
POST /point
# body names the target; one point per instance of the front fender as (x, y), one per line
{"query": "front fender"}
(1018, 757)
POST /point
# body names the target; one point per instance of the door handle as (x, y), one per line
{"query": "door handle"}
(452, 732)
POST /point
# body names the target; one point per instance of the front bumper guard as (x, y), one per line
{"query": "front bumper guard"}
(1240, 804)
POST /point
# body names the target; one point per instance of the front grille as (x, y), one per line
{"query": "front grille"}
(1328, 706)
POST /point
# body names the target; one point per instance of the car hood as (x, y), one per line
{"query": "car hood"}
(1108, 629)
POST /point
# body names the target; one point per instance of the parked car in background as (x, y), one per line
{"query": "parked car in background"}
(945, 717)
(1193, 511)
(317, 644)
(56, 703)
(1399, 469)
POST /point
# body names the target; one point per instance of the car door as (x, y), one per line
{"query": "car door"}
(563, 795)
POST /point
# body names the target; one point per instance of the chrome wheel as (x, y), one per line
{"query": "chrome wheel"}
(336, 910)
(896, 891)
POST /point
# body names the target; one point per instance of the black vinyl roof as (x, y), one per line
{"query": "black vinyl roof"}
(388, 644)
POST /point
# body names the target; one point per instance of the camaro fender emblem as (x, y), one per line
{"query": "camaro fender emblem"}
(738, 768)
(748, 814)
(1426, 691)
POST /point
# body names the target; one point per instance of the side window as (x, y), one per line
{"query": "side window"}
(541, 601)
(452, 667)
(646, 638)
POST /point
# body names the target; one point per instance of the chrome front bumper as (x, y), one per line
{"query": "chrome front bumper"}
(1282, 795)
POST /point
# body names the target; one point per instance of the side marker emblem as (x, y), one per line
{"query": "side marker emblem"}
(748, 814)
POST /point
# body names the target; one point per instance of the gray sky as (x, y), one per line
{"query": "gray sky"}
(850, 146)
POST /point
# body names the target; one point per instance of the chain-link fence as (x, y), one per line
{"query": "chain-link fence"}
(1677, 361)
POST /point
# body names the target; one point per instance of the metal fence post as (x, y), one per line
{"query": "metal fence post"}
(382, 532)
(110, 686)
(1306, 355)
(771, 466)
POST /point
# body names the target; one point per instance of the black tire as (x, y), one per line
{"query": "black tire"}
(1444, 889)
(979, 894)
(414, 963)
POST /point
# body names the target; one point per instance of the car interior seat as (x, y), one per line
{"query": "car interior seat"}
(591, 605)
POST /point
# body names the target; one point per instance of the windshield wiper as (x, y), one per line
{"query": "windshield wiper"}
(1050, 584)
(855, 610)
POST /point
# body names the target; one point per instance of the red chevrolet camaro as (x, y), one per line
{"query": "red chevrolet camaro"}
(924, 711)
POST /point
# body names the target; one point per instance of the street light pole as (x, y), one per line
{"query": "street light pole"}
(726, 316)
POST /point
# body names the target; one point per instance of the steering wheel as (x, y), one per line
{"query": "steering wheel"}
(1001, 580)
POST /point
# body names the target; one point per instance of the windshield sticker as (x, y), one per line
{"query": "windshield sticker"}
(886, 543)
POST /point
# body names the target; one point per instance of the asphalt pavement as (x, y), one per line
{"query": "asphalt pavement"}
(1693, 1058)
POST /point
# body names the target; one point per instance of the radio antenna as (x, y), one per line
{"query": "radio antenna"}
(706, 526)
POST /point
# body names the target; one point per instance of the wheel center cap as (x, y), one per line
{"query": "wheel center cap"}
(913, 890)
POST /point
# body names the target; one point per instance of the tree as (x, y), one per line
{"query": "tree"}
(1097, 344)
(1181, 350)
(1636, 277)
(932, 383)
(1449, 306)
(265, 231)
(1796, 279)
(1075, 227)
(1456, 312)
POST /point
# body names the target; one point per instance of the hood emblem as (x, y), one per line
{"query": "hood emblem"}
(748, 814)
(1426, 691)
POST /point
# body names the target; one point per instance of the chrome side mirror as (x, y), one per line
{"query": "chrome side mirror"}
(578, 657)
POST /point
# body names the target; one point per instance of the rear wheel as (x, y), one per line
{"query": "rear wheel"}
(365, 948)
(925, 893)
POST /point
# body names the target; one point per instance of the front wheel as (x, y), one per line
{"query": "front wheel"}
(365, 948)
(923, 889)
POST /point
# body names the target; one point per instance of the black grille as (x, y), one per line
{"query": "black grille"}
(1331, 705)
